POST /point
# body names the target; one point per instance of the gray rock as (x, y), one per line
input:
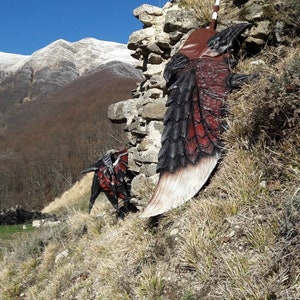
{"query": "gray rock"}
(175, 36)
(140, 38)
(252, 11)
(153, 70)
(180, 20)
(142, 187)
(154, 49)
(155, 126)
(154, 111)
(261, 30)
(45, 223)
(122, 112)
(163, 41)
(61, 256)
(152, 93)
(148, 14)
(148, 169)
(146, 157)
(133, 164)
(150, 20)
(254, 44)
(155, 59)
(157, 81)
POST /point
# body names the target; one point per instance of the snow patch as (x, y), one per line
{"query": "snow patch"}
(9, 62)
(85, 54)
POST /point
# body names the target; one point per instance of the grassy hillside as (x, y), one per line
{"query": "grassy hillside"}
(238, 239)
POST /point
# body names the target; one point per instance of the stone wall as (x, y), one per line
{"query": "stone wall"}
(164, 31)
(152, 46)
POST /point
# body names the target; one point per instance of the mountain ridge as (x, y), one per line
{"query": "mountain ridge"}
(106, 51)
(40, 75)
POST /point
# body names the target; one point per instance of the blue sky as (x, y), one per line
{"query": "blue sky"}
(28, 25)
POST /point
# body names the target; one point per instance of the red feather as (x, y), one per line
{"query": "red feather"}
(199, 81)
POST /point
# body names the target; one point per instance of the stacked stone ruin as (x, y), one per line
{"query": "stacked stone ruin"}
(152, 46)
(163, 33)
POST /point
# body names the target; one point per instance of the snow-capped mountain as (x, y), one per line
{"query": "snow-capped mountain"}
(8, 60)
(86, 54)
(25, 78)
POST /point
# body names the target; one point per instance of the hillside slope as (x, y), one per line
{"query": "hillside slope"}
(238, 239)
(46, 143)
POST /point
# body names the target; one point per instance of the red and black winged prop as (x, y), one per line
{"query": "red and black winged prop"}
(198, 79)
(110, 176)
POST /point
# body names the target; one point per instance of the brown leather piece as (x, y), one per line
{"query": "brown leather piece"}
(196, 44)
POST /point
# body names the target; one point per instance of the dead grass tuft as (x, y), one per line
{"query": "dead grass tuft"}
(203, 9)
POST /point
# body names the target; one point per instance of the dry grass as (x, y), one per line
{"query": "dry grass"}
(238, 239)
(75, 196)
(203, 8)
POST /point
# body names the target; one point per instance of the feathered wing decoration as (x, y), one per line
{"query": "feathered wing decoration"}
(198, 80)
(110, 173)
(174, 189)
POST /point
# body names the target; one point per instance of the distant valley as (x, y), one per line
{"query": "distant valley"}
(53, 115)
